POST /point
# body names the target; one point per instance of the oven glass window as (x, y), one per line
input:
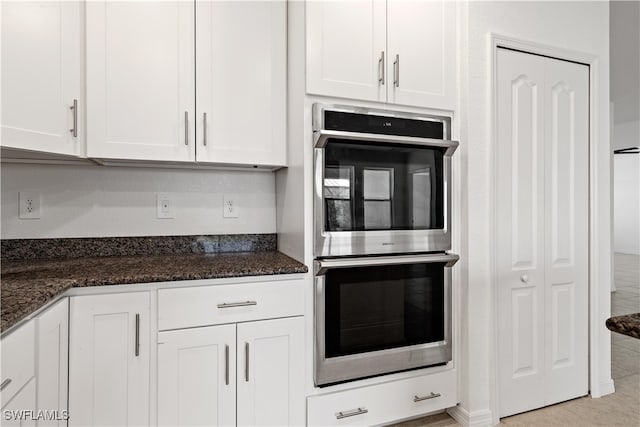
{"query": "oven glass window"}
(370, 186)
(382, 307)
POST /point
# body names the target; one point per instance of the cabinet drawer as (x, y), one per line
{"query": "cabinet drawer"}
(18, 360)
(217, 304)
(384, 403)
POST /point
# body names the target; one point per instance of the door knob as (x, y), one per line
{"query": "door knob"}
(524, 278)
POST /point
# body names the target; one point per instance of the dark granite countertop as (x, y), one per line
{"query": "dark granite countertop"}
(28, 285)
(628, 324)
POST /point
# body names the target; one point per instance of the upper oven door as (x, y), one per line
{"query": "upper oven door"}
(381, 194)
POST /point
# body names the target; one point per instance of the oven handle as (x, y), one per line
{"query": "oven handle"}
(320, 138)
(321, 266)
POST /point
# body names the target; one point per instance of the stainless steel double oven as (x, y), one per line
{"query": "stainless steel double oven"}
(382, 217)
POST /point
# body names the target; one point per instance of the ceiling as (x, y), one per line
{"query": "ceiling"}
(624, 46)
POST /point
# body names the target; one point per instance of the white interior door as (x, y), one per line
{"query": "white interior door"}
(197, 377)
(520, 231)
(421, 36)
(241, 72)
(566, 230)
(140, 80)
(346, 49)
(542, 211)
(42, 45)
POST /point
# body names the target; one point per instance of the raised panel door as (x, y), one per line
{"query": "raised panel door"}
(421, 37)
(346, 49)
(271, 372)
(241, 73)
(566, 231)
(140, 80)
(42, 45)
(520, 244)
(52, 361)
(197, 376)
(109, 360)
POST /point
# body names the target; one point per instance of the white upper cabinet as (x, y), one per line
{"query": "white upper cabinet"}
(422, 51)
(346, 44)
(181, 81)
(140, 80)
(42, 45)
(241, 80)
(396, 51)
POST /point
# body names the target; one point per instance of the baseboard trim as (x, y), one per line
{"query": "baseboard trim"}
(473, 419)
(604, 388)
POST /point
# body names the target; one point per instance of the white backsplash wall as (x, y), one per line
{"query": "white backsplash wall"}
(102, 201)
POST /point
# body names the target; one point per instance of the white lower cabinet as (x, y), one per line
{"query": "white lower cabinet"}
(16, 412)
(271, 372)
(109, 360)
(384, 403)
(196, 376)
(202, 370)
(52, 364)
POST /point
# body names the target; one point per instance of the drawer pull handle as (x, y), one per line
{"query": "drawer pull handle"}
(344, 414)
(421, 398)
(236, 304)
(5, 383)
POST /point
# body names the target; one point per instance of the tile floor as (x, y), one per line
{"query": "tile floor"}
(619, 409)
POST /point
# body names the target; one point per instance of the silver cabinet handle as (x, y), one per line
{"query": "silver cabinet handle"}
(226, 364)
(186, 128)
(137, 334)
(344, 414)
(237, 304)
(5, 383)
(433, 395)
(524, 278)
(396, 71)
(204, 129)
(74, 108)
(381, 69)
(246, 361)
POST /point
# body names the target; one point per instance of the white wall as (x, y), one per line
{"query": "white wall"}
(580, 26)
(626, 189)
(101, 201)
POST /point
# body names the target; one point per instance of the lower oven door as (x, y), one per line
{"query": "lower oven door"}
(380, 315)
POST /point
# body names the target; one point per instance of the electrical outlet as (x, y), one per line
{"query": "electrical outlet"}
(164, 206)
(29, 205)
(229, 206)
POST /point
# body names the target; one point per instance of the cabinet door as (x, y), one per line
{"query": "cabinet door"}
(18, 408)
(52, 361)
(109, 360)
(241, 71)
(140, 80)
(271, 372)
(422, 52)
(346, 42)
(42, 75)
(197, 376)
